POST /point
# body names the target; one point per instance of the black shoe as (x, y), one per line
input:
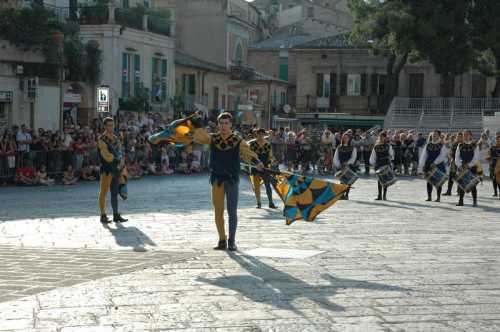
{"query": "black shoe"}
(378, 198)
(428, 199)
(232, 246)
(259, 205)
(474, 204)
(346, 197)
(118, 218)
(438, 200)
(460, 204)
(272, 206)
(495, 195)
(104, 219)
(385, 198)
(222, 245)
(447, 193)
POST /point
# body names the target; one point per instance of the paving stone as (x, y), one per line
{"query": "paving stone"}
(400, 265)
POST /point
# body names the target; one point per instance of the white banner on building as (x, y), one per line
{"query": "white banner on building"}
(103, 99)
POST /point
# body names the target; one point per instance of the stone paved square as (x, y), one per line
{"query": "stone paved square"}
(399, 265)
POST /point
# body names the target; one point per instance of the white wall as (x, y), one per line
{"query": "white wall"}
(46, 107)
(113, 44)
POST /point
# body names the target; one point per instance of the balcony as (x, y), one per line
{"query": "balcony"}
(133, 18)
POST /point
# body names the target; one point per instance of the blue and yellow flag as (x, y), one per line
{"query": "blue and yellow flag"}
(305, 197)
(179, 132)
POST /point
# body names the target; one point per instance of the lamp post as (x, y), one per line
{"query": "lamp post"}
(58, 37)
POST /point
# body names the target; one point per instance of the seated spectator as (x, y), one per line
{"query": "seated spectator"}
(183, 166)
(134, 170)
(69, 177)
(165, 167)
(195, 161)
(89, 173)
(27, 176)
(150, 167)
(43, 177)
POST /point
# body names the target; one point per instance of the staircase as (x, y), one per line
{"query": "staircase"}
(446, 114)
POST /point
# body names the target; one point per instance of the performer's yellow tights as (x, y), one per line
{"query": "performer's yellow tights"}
(229, 191)
(257, 180)
(107, 182)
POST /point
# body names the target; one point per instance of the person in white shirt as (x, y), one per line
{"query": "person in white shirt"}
(466, 158)
(434, 153)
(381, 156)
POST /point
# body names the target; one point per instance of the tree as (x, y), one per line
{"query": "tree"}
(388, 28)
(483, 17)
(443, 38)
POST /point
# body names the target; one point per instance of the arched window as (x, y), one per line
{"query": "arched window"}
(239, 54)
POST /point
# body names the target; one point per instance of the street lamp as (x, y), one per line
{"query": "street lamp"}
(58, 37)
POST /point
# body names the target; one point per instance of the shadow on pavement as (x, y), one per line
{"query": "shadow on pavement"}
(279, 289)
(130, 237)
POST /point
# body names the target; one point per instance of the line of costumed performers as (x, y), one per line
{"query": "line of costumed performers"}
(304, 197)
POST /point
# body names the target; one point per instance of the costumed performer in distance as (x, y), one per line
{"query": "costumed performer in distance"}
(226, 151)
(345, 156)
(262, 148)
(434, 154)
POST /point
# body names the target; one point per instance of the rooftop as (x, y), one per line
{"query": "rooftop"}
(340, 41)
(184, 59)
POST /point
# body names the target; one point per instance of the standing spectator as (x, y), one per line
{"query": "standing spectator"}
(23, 139)
(79, 153)
(484, 149)
(67, 145)
(398, 154)
(327, 147)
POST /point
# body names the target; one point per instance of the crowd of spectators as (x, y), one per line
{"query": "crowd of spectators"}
(44, 157)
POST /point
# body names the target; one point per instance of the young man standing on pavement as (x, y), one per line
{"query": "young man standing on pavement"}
(112, 162)
(262, 148)
(226, 149)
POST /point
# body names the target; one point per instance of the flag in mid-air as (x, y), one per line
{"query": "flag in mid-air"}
(305, 197)
(178, 131)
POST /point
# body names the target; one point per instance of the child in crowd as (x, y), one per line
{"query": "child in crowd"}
(69, 177)
(43, 177)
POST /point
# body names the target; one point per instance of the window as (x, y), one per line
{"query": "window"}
(190, 85)
(126, 4)
(310, 11)
(416, 85)
(323, 85)
(354, 85)
(275, 98)
(159, 80)
(126, 74)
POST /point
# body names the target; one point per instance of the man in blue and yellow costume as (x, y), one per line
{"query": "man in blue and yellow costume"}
(112, 163)
(263, 150)
(226, 151)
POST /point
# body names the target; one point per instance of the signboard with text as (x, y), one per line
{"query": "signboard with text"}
(103, 99)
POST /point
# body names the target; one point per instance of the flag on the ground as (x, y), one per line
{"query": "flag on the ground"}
(305, 197)
(179, 132)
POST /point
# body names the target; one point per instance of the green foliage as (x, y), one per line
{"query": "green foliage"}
(485, 36)
(33, 28)
(444, 35)
(137, 103)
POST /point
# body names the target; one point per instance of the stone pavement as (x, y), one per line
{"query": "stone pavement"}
(400, 265)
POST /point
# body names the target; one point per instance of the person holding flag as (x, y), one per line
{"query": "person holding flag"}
(262, 148)
(112, 168)
(226, 151)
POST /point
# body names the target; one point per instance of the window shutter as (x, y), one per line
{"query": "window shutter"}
(137, 73)
(284, 72)
(319, 85)
(374, 85)
(363, 84)
(333, 89)
(124, 75)
(163, 80)
(343, 84)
